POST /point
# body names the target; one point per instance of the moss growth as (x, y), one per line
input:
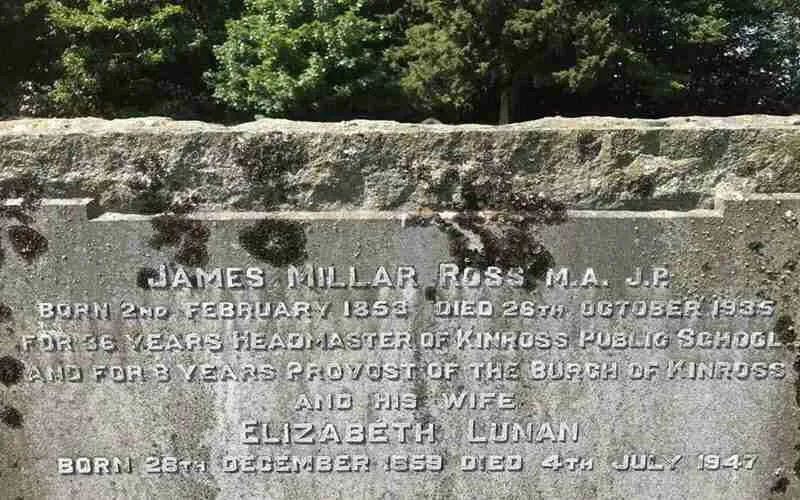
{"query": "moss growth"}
(169, 230)
(16, 212)
(143, 275)
(11, 370)
(507, 240)
(27, 187)
(27, 242)
(275, 242)
(643, 187)
(193, 250)
(11, 417)
(6, 314)
(419, 220)
(189, 236)
(756, 247)
(784, 329)
(537, 269)
(266, 163)
(588, 146)
(150, 192)
(780, 485)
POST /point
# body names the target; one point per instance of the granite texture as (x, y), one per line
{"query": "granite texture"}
(151, 164)
(742, 249)
(275, 193)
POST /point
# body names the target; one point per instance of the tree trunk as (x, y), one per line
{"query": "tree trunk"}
(509, 100)
(505, 106)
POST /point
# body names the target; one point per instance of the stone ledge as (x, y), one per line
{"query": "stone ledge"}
(146, 165)
(90, 125)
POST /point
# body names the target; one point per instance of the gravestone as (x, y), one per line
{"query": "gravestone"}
(537, 352)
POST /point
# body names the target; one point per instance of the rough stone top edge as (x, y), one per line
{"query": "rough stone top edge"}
(161, 125)
(405, 218)
(89, 209)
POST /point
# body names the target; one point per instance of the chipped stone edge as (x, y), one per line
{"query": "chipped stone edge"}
(88, 209)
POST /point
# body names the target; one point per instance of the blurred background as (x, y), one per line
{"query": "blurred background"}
(457, 61)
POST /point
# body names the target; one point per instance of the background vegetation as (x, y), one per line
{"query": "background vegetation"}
(485, 61)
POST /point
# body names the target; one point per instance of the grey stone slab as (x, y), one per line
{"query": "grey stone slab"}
(739, 410)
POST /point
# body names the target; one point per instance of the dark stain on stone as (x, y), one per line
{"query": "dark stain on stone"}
(706, 267)
(537, 208)
(27, 242)
(756, 247)
(430, 293)
(419, 220)
(796, 467)
(643, 187)
(11, 370)
(446, 186)
(194, 251)
(189, 236)
(796, 367)
(537, 269)
(506, 238)
(780, 486)
(588, 146)
(149, 202)
(17, 213)
(276, 242)
(507, 241)
(474, 198)
(143, 275)
(28, 187)
(6, 314)
(169, 230)
(784, 329)
(11, 417)
(790, 265)
(150, 192)
(266, 164)
(186, 204)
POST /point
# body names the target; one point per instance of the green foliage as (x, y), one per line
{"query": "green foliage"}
(458, 60)
(298, 58)
(25, 57)
(462, 51)
(621, 56)
(77, 91)
(688, 56)
(130, 57)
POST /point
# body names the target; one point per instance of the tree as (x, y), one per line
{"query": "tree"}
(26, 56)
(464, 50)
(719, 57)
(459, 60)
(627, 57)
(132, 57)
(307, 58)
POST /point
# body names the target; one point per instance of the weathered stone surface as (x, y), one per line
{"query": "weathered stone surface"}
(149, 164)
(745, 406)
